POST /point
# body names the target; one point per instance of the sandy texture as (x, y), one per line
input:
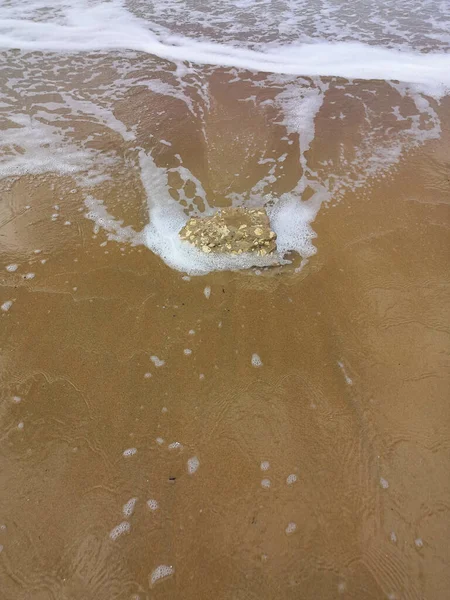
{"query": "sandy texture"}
(349, 407)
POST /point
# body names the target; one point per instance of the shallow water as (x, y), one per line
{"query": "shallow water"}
(173, 426)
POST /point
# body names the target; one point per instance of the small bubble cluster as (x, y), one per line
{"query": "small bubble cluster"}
(256, 360)
(292, 478)
(128, 507)
(152, 504)
(192, 465)
(157, 362)
(265, 483)
(119, 530)
(207, 292)
(384, 483)
(129, 451)
(161, 572)
(6, 305)
(265, 465)
(291, 528)
(175, 446)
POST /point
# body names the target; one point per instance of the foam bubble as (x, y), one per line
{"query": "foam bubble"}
(265, 465)
(393, 537)
(256, 361)
(292, 478)
(128, 507)
(12, 268)
(187, 351)
(119, 530)
(175, 446)
(266, 483)
(157, 362)
(160, 573)
(192, 465)
(20, 425)
(207, 292)
(419, 542)
(291, 528)
(6, 305)
(152, 504)
(348, 380)
(160, 441)
(384, 483)
(129, 451)
(16, 399)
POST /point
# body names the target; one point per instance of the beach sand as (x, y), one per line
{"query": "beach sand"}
(318, 472)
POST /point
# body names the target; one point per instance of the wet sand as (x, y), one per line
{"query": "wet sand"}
(351, 397)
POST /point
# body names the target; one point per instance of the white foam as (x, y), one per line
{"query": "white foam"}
(152, 504)
(265, 465)
(175, 446)
(207, 292)
(129, 451)
(157, 362)
(256, 360)
(119, 530)
(266, 483)
(34, 147)
(384, 483)
(291, 528)
(291, 479)
(110, 26)
(192, 465)
(128, 507)
(286, 43)
(12, 268)
(167, 218)
(6, 305)
(348, 379)
(187, 351)
(161, 572)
